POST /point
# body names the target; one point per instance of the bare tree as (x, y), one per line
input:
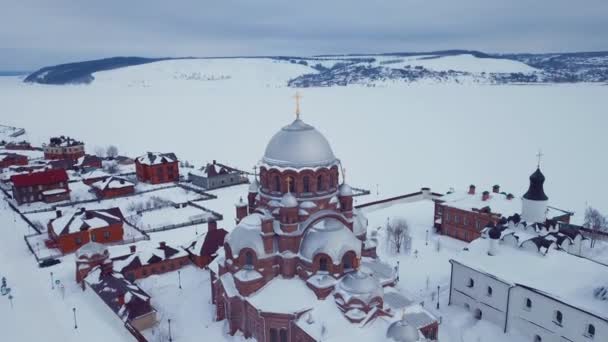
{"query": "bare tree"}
(595, 222)
(100, 152)
(112, 152)
(111, 167)
(399, 235)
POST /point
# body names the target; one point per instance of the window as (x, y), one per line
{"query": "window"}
(471, 283)
(249, 259)
(466, 236)
(558, 317)
(456, 219)
(323, 264)
(274, 336)
(78, 240)
(283, 335)
(538, 338)
(106, 235)
(277, 183)
(347, 263)
(306, 184)
(490, 291)
(292, 184)
(331, 180)
(528, 304)
(447, 217)
(93, 237)
(465, 221)
(590, 331)
(320, 183)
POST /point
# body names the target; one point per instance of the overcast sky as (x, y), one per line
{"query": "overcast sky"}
(35, 33)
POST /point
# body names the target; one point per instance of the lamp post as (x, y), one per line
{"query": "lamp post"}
(170, 337)
(52, 282)
(75, 323)
(10, 299)
(426, 241)
(437, 297)
(179, 279)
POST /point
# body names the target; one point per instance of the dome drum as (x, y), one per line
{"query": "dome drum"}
(302, 183)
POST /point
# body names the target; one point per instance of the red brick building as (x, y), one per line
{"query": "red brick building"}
(113, 187)
(463, 215)
(156, 168)
(69, 232)
(204, 249)
(11, 159)
(47, 186)
(150, 261)
(63, 147)
(19, 146)
(298, 237)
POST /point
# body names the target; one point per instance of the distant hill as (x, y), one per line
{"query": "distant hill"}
(438, 66)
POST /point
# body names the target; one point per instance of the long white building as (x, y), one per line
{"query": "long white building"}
(550, 297)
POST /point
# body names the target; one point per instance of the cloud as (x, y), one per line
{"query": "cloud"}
(41, 32)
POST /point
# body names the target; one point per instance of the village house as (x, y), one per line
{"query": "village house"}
(63, 147)
(463, 215)
(216, 175)
(70, 231)
(12, 159)
(93, 176)
(113, 187)
(19, 146)
(150, 261)
(156, 168)
(204, 248)
(94, 270)
(48, 186)
(88, 162)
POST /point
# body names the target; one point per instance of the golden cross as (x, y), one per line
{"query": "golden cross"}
(298, 97)
(288, 184)
(539, 155)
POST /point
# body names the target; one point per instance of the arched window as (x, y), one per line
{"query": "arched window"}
(323, 264)
(320, 183)
(249, 259)
(292, 184)
(590, 331)
(274, 336)
(306, 184)
(528, 304)
(471, 282)
(332, 180)
(538, 338)
(283, 335)
(277, 184)
(559, 317)
(490, 291)
(347, 262)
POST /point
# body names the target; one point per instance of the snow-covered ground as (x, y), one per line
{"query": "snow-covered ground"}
(393, 139)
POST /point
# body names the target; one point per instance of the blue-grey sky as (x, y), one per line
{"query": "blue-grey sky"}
(35, 33)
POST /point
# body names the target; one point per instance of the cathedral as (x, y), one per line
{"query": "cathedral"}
(299, 263)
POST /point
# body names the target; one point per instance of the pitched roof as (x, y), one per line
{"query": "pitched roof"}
(112, 183)
(207, 244)
(46, 177)
(85, 220)
(155, 158)
(147, 257)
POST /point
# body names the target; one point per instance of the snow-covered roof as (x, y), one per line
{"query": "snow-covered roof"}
(498, 203)
(148, 256)
(299, 145)
(572, 278)
(155, 158)
(86, 219)
(402, 331)
(359, 285)
(247, 235)
(360, 222)
(331, 237)
(289, 200)
(95, 173)
(91, 249)
(272, 297)
(254, 186)
(112, 183)
(345, 190)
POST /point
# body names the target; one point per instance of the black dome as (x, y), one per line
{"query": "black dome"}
(495, 233)
(536, 191)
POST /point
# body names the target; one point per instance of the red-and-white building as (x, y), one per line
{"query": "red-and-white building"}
(113, 187)
(71, 231)
(47, 186)
(464, 214)
(63, 147)
(156, 168)
(12, 159)
(298, 242)
(151, 261)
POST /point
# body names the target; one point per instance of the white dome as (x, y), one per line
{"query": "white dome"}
(360, 285)
(346, 190)
(401, 331)
(289, 201)
(331, 237)
(247, 235)
(299, 145)
(254, 186)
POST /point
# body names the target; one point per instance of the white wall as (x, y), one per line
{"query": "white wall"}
(539, 319)
(533, 211)
(493, 307)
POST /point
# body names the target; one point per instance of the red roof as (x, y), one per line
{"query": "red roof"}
(47, 177)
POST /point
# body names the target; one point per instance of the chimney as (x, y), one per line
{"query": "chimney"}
(59, 213)
(162, 244)
(496, 189)
(133, 248)
(211, 225)
(471, 189)
(214, 162)
(485, 196)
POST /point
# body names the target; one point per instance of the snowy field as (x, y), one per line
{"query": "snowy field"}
(393, 138)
